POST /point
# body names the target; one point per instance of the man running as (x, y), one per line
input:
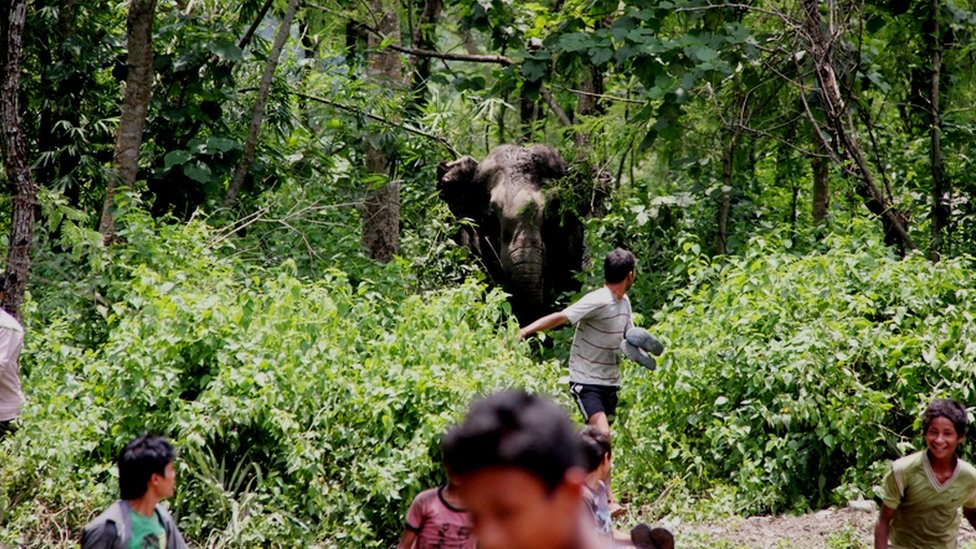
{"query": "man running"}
(601, 317)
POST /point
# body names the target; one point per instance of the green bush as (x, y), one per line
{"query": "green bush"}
(306, 412)
(797, 377)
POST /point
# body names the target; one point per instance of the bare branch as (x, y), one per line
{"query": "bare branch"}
(603, 96)
(246, 39)
(494, 59)
(380, 119)
(556, 109)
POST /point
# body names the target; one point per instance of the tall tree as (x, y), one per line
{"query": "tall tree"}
(135, 104)
(380, 212)
(264, 89)
(940, 207)
(22, 188)
(839, 121)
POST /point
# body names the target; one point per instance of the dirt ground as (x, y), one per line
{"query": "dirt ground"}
(847, 528)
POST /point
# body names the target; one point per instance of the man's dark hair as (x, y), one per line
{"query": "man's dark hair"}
(514, 429)
(617, 265)
(595, 444)
(949, 409)
(140, 458)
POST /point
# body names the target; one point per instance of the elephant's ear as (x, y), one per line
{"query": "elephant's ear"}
(460, 171)
(456, 186)
(548, 163)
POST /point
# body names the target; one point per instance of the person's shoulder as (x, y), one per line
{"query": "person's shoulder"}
(426, 496)
(8, 322)
(599, 295)
(911, 460)
(107, 522)
(164, 513)
(906, 464)
(967, 469)
(111, 513)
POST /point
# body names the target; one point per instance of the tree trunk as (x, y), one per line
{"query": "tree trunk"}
(135, 104)
(528, 111)
(839, 120)
(22, 188)
(821, 188)
(424, 38)
(940, 199)
(264, 89)
(725, 196)
(587, 105)
(380, 214)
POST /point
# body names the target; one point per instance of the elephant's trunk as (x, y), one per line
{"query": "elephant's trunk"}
(527, 258)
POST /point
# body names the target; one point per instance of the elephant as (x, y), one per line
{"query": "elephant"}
(527, 243)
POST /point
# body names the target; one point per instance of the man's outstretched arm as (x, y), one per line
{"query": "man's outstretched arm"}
(545, 323)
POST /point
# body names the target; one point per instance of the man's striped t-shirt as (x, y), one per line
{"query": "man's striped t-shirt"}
(601, 321)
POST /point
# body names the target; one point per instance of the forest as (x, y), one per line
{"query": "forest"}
(266, 230)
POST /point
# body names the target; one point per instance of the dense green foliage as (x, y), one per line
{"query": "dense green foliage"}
(795, 377)
(304, 409)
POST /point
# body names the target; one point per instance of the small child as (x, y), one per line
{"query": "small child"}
(436, 520)
(924, 491)
(596, 456)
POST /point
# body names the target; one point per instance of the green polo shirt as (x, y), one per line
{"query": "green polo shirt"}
(926, 512)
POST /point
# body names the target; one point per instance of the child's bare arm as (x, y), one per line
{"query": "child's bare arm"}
(881, 529)
(407, 539)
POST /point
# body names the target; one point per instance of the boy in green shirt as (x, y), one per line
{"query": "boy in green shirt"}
(924, 491)
(136, 520)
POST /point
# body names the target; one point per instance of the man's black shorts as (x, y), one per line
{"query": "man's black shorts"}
(592, 399)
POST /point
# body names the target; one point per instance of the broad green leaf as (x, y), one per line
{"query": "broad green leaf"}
(176, 157)
(197, 171)
(226, 50)
(574, 42)
(221, 144)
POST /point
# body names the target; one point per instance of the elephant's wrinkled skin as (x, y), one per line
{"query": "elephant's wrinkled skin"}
(518, 232)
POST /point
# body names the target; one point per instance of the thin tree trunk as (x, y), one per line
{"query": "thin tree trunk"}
(794, 202)
(135, 104)
(22, 188)
(380, 214)
(725, 196)
(849, 155)
(940, 209)
(821, 188)
(260, 102)
(246, 39)
(528, 112)
(424, 38)
(587, 105)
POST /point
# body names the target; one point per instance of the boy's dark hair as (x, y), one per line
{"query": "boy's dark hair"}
(617, 265)
(140, 458)
(514, 429)
(595, 444)
(949, 409)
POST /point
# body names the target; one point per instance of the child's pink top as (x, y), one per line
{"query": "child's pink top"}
(438, 524)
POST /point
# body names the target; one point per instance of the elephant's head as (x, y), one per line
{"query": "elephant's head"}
(503, 195)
